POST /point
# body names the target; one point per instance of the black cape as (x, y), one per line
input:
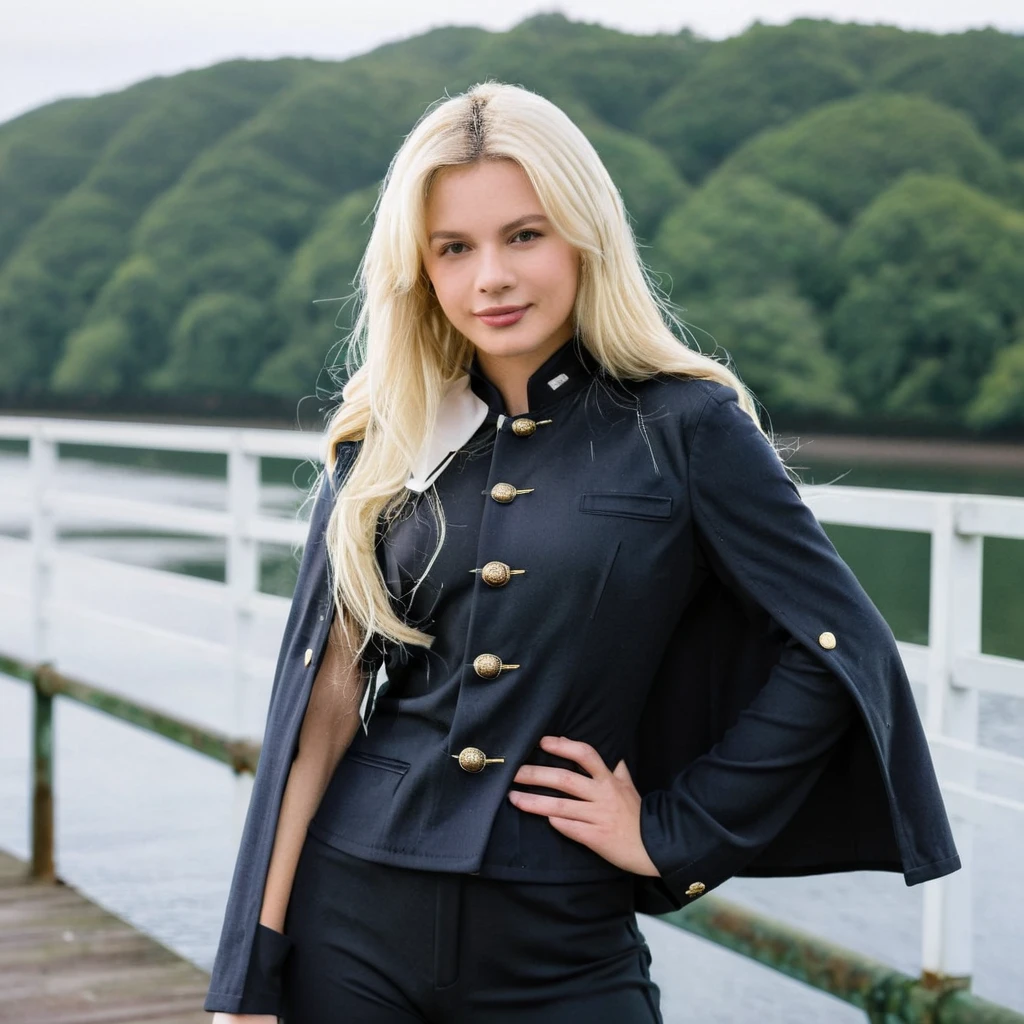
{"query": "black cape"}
(770, 581)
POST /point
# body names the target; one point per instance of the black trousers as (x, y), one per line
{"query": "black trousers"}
(377, 944)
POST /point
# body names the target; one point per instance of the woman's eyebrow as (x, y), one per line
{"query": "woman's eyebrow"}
(510, 226)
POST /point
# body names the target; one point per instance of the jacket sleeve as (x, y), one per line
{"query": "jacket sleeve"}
(263, 992)
(761, 539)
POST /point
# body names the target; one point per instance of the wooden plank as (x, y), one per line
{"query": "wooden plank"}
(64, 960)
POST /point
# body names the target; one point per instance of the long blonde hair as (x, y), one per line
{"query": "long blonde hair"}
(403, 351)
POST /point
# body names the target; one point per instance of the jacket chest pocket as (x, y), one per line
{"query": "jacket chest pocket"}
(628, 505)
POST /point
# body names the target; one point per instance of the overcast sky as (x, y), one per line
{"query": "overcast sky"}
(55, 48)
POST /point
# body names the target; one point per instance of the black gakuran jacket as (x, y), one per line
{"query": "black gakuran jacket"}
(678, 586)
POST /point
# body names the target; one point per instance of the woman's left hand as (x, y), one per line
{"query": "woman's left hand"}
(606, 817)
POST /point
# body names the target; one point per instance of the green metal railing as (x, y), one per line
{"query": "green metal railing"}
(886, 996)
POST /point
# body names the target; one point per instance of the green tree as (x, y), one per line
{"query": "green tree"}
(47, 152)
(216, 347)
(934, 270)
(841, 155)
(95, 360)
(1000, 398)
(742, 86)
(740, 235)
(315, 300)
(123, 337)
(979, 72)
(616, 75)
(774, 342)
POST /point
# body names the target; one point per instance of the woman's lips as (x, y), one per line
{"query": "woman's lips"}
(503, 319)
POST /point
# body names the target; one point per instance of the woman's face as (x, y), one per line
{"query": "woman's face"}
(490, 245)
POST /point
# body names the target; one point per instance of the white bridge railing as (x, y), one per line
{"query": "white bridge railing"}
(950, 670)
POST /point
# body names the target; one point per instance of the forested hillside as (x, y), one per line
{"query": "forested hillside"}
(839, 208)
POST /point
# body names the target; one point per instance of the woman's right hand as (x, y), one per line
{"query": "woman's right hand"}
(244, 1018)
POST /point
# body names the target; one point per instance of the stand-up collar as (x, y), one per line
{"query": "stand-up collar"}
(565, 371)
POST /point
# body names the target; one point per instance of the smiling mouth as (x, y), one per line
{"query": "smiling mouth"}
(500, 311)
(508, 319)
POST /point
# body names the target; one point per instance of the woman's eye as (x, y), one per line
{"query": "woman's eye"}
(449, 248)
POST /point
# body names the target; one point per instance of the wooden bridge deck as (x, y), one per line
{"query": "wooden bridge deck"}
(64, 960)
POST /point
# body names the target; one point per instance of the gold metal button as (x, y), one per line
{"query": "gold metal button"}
(489, 665)
(506, 492)
(695, 889)
(523, 426)
(497, 574)
(827, 640)
(308, 657)
(472, 759)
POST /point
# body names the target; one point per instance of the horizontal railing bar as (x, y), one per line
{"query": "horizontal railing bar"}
(875, 507)
(283, 444)
(276, 530)
(269, 442)
(976, 806)
(165, 582)
(67, 506)
(843, 973)
(885, 509)
(989, 673)
(170, 518)
(915, 660)
(240, 755)
(991, 516)
(159, 581)
(185, 641)
(1007, 767)
(15, 497)
(16, 668)
(253, 664)
(152, 515)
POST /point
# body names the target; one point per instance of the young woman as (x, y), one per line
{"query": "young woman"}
(566, 643)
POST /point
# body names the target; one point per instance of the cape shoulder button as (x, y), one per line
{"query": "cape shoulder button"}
(695, 889)
(827, 640)
(308, 656)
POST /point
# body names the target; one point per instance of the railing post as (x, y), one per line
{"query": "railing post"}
(42, 454)
(42, 868)
(954, 629)
(243, 580)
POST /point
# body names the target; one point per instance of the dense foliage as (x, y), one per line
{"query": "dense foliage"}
(837, 209)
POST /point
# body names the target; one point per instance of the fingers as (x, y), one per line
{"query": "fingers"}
(576, 750)
(555, 778)
(553, 806)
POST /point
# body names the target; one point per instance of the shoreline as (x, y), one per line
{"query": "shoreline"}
(906, 451)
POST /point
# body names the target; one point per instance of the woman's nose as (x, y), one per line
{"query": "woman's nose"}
(493, 271)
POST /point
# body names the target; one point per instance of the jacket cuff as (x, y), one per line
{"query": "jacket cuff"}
(682, 883)
(262, 992)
